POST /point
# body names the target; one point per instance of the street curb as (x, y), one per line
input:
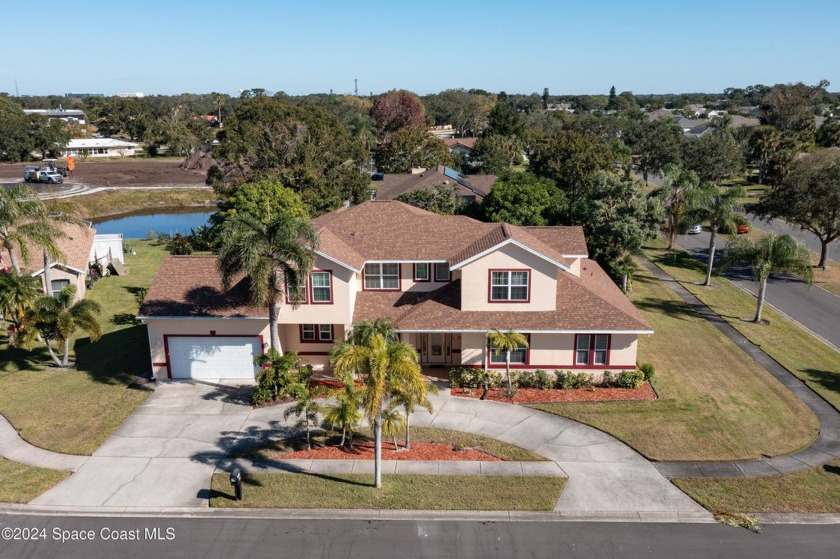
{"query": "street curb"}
(665, 517)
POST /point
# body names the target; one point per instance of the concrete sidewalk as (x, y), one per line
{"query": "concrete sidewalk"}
(824, 449)
(16, 449)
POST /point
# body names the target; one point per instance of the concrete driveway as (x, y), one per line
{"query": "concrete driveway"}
(164, 455)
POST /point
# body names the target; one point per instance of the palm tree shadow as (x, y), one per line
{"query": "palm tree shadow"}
(830, 380)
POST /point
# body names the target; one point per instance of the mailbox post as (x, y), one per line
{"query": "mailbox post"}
(236, 482)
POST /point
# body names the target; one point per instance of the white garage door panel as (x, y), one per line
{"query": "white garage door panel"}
(213, 358)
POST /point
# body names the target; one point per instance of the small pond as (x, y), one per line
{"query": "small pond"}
(138, 225)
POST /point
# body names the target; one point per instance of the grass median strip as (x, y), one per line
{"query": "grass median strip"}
(20, 483)
(410, 492)
(125, 200)
(799, 352)
(73, 411)
(715, 403)
(811, 492)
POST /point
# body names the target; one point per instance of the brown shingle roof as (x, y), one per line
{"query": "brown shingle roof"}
(591, 302)
(191, 286)
(74, 247)
(392, 185)
(468, 143)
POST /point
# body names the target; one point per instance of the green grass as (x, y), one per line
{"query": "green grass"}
(715, 402)
(411, 492)
(20, 483)
(73, 411)
(813, 491)
(457, 439)
(114, 202)
(812, 361)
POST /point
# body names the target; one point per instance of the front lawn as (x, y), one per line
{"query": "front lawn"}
(411, 492)
(799, 352)
(715, 402)
(20, 483)
(73, 411)
(813, 491)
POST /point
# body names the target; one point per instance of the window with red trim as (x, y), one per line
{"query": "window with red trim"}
(518, 356)
(303, 292)
(592, 349)
(442, 273)
(316, 333)
(421, 271)
(321, 287)
(384, 275)
(509, 285)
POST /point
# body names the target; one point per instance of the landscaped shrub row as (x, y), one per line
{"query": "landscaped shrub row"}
(461, 377)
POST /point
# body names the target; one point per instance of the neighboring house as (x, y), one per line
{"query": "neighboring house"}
(107, 249)
(698, 130)
(70, 116)
(464, 146)
(443, 131)
(472, 188)
(99, 147)
(70, 268)
(660, 113)
(444, 281)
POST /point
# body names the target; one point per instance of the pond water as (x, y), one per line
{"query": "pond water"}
(138, 225)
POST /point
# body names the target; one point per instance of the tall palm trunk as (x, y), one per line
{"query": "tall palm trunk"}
(762, 289)
(407, 430)
(377, 449)
(507, 371)
(53, 355)
(65, 362)
(273, 324)
(47, 274)
(343, 436)
(710, 264)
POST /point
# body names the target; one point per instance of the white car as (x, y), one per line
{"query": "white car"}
(694, 229)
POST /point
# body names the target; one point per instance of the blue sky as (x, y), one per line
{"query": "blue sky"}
(166, 47)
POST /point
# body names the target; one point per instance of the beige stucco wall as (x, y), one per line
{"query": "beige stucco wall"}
(198, 327)
(341, 309)
(475, 285)
(623, 348)
(472, 349)
(77, 280)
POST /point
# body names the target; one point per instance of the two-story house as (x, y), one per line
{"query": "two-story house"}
(444, 281)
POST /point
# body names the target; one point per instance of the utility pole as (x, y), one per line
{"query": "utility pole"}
(356, 84)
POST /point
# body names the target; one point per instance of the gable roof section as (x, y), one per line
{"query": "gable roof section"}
(190, 286)
(392, 185)
(503, 234)
(589, 303)
(74, 247)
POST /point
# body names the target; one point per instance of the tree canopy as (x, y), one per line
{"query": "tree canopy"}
(522, 199)
(409, 148)
(396, 110)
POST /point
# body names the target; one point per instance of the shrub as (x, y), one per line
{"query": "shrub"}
(647, 369)
(527, 379)
(608, 380)
(569, 380)
(179, 245)
(630, 379)
(543, 380)
(462, 377)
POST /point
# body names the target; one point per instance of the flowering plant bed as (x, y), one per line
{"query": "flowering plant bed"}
(363, 450)
(538, 396)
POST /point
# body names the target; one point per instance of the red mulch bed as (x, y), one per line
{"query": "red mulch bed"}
(536, 396)
(364, 451)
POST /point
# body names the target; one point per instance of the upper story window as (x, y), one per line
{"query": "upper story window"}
(442, 272)
(321, 287)
(384, 275)
(302, 290)
(421, 271)
(592, 349)
(509, 285)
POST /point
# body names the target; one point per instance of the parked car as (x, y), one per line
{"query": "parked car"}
(51, 177)
(743, 228)
(695, 229)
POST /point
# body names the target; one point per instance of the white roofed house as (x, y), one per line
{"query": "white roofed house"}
(100, 147)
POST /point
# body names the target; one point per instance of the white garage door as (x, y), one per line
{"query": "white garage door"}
(213, 358)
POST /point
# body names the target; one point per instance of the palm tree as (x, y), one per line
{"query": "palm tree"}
(764, 142)
(409, 402)
(24, 219)
(306, 407)
(392, 423)
(59, 318)
(365, 328)
(507, 342)
(383, 366)
(344, 413)
(17, 295)
(773, 253)
(677, 192)
(273, 256)
(719, 209)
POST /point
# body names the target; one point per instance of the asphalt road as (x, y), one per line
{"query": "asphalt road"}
(252, 538)
(811, 240)
(814, 308)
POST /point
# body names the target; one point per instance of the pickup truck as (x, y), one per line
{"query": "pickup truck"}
(51, 177)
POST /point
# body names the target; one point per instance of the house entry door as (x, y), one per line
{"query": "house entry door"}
(438, 348)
